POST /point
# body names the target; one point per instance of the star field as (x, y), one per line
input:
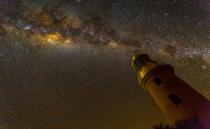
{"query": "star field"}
(67, 64)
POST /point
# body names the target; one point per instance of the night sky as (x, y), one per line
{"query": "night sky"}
(67, 64)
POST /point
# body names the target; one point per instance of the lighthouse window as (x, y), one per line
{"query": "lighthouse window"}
(157, 81)
(175, 99)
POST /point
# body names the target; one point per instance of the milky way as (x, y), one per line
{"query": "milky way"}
(66, 64)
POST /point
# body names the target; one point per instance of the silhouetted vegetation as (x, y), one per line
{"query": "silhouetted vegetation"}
(192, 123)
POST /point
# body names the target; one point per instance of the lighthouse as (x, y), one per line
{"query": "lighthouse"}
(177, 99)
